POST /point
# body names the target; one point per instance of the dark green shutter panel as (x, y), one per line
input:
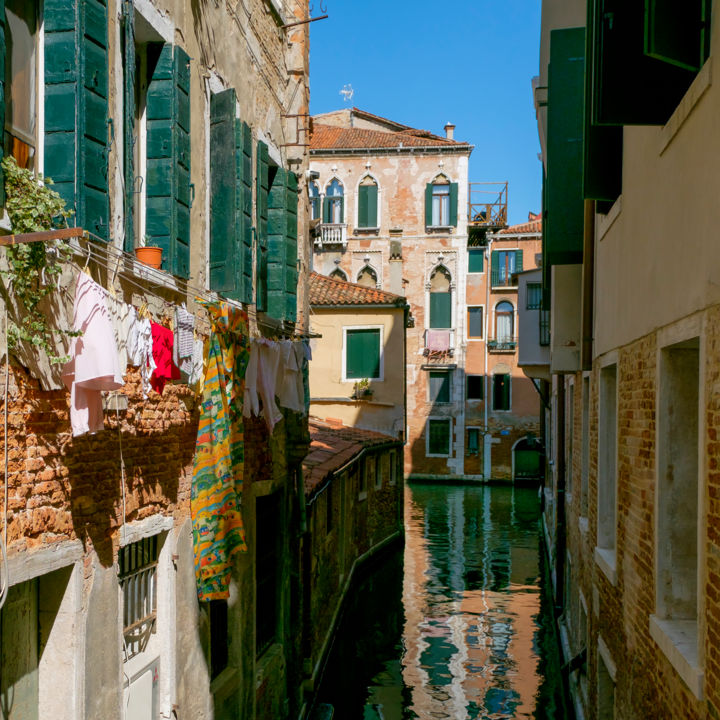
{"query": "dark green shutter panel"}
(291, 247)
(362, 354)
(678, 33)
(440, 309)
(2, 92)
(439, 440)
(372, 209)
(326, 210)
(494, 268)
(225, 251)
(168, 159)
(276, 224)
(76, 108)
(363, 206)
(518, 261)
(453, 204)
(342, 209)
(475, 260)
(629, 87)
(565, 203)
(428, 205)
(245, 183)
(128, 15)
(262, 189)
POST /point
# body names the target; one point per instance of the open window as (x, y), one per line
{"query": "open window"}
(441, 201)
(334, 204)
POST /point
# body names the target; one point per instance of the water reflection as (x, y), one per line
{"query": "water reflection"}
(463, 631)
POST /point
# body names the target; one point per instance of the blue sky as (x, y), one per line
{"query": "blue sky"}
(425, 63)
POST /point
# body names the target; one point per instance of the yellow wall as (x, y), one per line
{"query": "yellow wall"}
(385, 411)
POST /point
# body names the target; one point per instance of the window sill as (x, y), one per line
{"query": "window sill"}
(605, 560)
(678, 640)
(439, 228)
(500, 288)
(366, 231)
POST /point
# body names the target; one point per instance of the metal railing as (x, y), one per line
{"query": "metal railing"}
(503, 344)
(487, 204)
(332, 234)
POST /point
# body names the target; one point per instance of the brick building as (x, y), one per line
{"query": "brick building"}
(395, 211)
(631, 501)
(162, 123)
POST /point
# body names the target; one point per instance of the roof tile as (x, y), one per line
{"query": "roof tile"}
(332, 291)
(330, 137)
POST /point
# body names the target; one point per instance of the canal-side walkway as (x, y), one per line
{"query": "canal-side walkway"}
(458, 623)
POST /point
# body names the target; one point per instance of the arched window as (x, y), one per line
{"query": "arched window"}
(314, 191)
(367, 277)
(440, 299)
(504, 322)
(334, 205)
(338, 274)
(368, 203)
(441, 201)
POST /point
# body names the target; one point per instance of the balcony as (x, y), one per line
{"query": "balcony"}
(331, 235)
(503, 345)
(439, 346)
(487, 205)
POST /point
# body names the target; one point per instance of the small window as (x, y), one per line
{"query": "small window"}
(475, 322)
(314, 192)
(21, 81)
(475, 387)
(534, 296)
(473, 441)
(501, 392)
(438, 442)
(504, 322)
(440, 205)
(476, 260)
(505, 263)
(544, 322)
(439, 386)
(368, 203)
(137, 575)
(334, 206)
(362, 354)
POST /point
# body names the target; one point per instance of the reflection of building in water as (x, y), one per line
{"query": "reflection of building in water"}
(471, 598)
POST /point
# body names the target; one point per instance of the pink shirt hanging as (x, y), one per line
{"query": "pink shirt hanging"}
(165, 368)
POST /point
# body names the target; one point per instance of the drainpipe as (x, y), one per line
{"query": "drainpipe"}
(487, 445)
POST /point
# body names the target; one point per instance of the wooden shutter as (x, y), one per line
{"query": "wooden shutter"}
(476, 259)
(629, 87)
(225, 252)
(276, 230)
(494, 268)
(262, 189)
(129, 80)
(678, 33)
(440, 309)
(518, 261)
(168, 159)
(291, 246)
(245, 185)
(367, 206)
(76, 108)
(428, 205)
(565, 203)
(453, 204)
(362, 354)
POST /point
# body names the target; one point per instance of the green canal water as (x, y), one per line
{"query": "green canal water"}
(457, 624)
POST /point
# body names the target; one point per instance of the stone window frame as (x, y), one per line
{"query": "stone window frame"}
(448, 420)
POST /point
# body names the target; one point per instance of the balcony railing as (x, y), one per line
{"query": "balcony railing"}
(502, 344)
(487, 204)
(331, 234)
(439, 345)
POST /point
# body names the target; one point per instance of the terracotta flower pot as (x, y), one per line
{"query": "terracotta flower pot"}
(151, 256)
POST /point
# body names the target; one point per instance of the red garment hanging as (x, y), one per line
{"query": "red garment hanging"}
(165, 368)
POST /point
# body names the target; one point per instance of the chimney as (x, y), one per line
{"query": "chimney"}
(450, 131)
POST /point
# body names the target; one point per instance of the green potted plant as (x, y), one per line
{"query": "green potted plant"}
(362, 389)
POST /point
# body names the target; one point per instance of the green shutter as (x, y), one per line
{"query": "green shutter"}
(276, 224)
(439, 437)
(363, 206)
(494, 269)
(262, 189)
(291, 246)
(518, 261)
(362, 354)
(76, 108)
(440, 309)
(128, 16)
(225, 251)
(168, 159)
(475, 260)
(245, 184)
(629, 87)
(2, 92)
(342, 209)
(453, 204)
(428, 204)
(565, 203)
(678, 33)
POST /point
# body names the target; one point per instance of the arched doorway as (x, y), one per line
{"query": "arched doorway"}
(527, 456)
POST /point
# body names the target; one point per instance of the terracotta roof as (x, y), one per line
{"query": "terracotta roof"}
(333, 445)
(329, 291)
(533, 226)
(329, 137)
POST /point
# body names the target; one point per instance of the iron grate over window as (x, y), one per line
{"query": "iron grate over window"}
(137, 575)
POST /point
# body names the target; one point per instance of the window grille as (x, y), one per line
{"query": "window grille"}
(137, 575)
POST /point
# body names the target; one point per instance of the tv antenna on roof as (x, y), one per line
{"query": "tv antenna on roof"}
(347, 92)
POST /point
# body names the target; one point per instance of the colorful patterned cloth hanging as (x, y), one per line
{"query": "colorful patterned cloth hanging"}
(215, 500)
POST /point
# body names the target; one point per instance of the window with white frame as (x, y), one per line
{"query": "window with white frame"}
(334, 205)
(504, 322)
(367, 211)
(475, 387)
(22, 81)
(438, 433)
(533, 299)
(440, 204)
(314, 193)
(363, 357)
(475, 322)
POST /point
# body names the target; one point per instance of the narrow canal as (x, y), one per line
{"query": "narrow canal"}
(458, 623)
